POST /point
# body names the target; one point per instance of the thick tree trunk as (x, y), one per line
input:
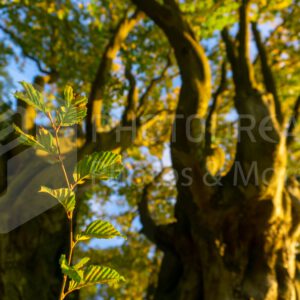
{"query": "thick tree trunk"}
(236, 239)
(249, 257)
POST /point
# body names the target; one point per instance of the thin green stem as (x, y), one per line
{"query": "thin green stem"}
(71, 240)
(61, 161)
(72, 245)
(70, 217)
(62, 292)
(59, 156)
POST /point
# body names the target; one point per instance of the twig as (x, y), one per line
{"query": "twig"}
(70, 216)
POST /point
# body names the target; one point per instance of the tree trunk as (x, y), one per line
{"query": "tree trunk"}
(248, 254)
(235, 238)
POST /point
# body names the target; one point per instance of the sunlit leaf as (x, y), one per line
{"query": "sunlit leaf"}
(25, 138)
(31, 96)
(97, 275)
(74, 110)
(44, 140)
(100, 230)
(100, 274)
(81, 263)
(64, 196)
(68, 94)
(100, 165)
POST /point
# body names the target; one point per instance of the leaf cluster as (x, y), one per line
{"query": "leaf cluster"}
(99, 165)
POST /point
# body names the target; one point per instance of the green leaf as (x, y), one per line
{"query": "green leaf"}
(100, 230)
(44, 140)
(72, 273)
(101, 274)
(25, 138)
(81, 263)
(97, 275)
(101, 165)
(31, 96)
(64, 196)
(68, 93)
(74, 110)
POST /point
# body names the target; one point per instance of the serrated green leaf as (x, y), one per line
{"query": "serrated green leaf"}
(68, 93)
(100, 230)
(25, 138)
(64, 196)
(31, 96)
(74, 110)
(101, 165)
(73, 274)
(81, 263)
(101, 274)
(97, 275)
(44, 140)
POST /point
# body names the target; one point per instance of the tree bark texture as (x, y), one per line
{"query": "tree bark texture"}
(236, 239)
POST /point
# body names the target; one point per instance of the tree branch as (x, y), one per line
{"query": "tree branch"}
(267, 72)
(214, 106)
(270, 37)
(152, 85)
(231, 54)
(122, 135)
(158, 12)
(252, 105)
(149, 226)
(246, 74)
(132, 98)
(155, 233)
(18, 41)
(97, 90)
(195, 92)
(293, 122)
(191, 58)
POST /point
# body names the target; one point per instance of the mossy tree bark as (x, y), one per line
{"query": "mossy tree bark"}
(235, 239)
